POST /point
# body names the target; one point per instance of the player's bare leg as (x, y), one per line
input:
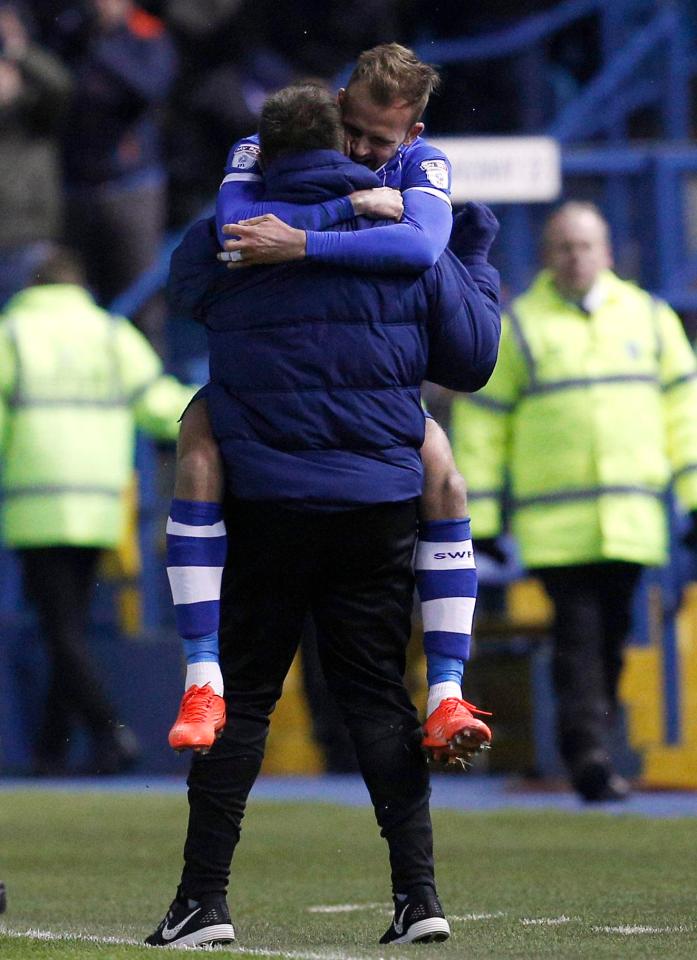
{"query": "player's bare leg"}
(447, 585)
(196, 549)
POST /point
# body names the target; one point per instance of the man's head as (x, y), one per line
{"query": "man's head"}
(303, 116)
(576, 245)
(382, 105)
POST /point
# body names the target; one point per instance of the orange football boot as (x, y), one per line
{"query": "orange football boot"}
(452, 734)
(200, 720)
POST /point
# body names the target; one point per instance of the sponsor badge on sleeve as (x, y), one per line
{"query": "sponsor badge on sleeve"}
(245, 156)
(437, 173)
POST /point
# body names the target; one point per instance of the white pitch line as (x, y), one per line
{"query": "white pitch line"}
(545, 921)
(347, 907)
(130, 942)
(629, 930)
(52, 935)
(476, 916)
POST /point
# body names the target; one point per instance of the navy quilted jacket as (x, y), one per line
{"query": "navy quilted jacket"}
(316, 371)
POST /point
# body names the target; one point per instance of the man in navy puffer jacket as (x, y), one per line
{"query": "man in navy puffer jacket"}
(315, 402)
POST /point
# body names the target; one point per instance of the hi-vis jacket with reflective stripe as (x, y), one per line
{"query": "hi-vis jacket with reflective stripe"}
(74, 382)
(585, 421)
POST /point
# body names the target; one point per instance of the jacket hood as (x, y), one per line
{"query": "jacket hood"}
(315, 176)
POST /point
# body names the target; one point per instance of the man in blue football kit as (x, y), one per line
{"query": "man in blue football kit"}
(380, 107)
(315, 404)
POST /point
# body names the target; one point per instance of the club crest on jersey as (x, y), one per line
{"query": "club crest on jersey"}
(246, 156)
(437, 173)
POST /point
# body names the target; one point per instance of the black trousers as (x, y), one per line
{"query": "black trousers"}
(592, 604)
(59, 581)
(352, 572)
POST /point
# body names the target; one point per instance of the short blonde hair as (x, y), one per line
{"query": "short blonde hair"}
(392, 72)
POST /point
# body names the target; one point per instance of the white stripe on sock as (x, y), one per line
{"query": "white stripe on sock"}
(441, 691)
(194, 584)
(452, 615)
(191, 530)
(457, 555)
(203, 672)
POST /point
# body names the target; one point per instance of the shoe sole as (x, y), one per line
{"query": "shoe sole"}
(199, 747)
(433, 930)
(456, 751)
(217, 933)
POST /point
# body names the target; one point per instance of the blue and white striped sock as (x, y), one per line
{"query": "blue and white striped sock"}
(196, 551)
(446, 579)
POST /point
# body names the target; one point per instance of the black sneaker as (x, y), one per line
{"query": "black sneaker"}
(418, 919)
(595, 780)
(191, 923)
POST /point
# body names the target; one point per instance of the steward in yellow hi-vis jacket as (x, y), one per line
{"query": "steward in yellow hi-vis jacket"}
(74, 384)
(590, 413)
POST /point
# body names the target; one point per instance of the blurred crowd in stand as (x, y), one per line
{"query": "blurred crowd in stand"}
(116, 118)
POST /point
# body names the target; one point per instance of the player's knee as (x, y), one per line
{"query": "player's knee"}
(444, 496)
(199, 471)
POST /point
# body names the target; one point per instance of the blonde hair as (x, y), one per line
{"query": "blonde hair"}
(392, 72)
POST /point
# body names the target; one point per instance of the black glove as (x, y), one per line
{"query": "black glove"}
(489, 546)
(474, 231)
(689, 538)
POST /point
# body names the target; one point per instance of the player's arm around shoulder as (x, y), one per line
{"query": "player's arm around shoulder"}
(156, 399)
(426, 188)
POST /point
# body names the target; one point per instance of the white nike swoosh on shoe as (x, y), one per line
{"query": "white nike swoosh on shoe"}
(169, 933)
(399, 924)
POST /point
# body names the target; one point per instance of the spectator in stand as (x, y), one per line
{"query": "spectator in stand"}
(124, 64)
(34, 93)
(216, 96)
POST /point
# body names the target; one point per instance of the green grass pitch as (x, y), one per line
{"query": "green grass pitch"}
(515, 885)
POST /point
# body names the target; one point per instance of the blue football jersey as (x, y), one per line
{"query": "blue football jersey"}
(415, 166)
(244, 160)
(418, 166)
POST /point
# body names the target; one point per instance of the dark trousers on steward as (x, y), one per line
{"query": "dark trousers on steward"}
(60, 582)
(592, 614)
(352, 571)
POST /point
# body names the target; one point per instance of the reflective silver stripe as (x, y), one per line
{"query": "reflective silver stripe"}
(524, 347)
(231, 177)
(434, 192)
(568, 496)
(688, 468)
(685, 378)
(490, 404)
(22, 397)
(572, 383)
(50, 489)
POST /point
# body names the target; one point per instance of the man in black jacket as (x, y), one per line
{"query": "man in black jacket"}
(315, 402)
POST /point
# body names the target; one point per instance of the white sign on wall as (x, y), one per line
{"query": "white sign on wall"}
(503, 169)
